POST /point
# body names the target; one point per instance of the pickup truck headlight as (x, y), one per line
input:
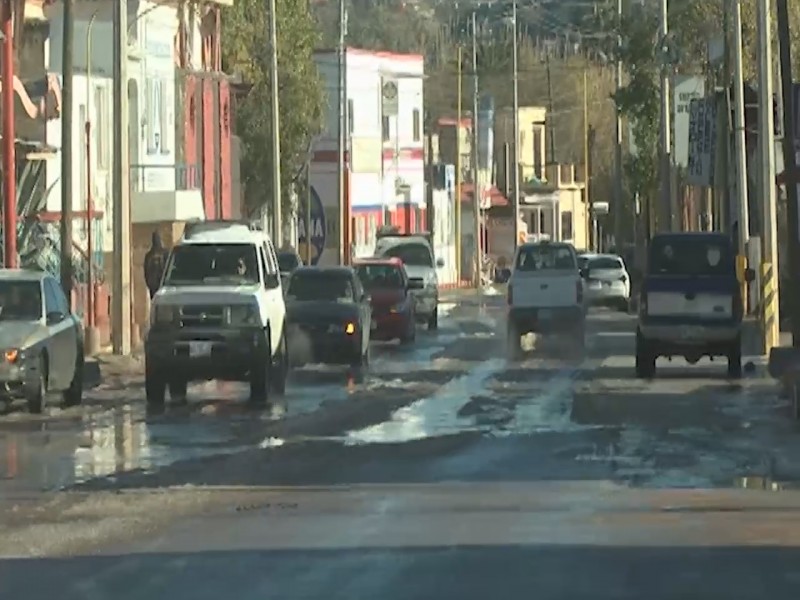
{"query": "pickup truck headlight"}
(163, 314)
(245, 314)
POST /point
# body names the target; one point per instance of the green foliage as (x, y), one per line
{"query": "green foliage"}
(246, 52)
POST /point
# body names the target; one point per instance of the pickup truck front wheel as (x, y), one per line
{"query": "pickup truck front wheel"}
(645, 359)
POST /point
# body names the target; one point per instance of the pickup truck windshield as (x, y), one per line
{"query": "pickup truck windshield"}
(693, 257)
(212, 264)
(546, 257)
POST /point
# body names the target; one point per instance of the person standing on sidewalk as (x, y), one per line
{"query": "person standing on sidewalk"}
(154, 262)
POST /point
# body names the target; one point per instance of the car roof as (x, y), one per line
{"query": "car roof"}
(336, 270)
(546, 243)
(223, 232)
(379, 260)
(593, 256)
(22, 275)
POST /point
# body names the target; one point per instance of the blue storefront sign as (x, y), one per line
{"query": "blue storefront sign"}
(318, 229)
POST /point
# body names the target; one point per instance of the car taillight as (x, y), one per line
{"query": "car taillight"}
(510, 295)
(579, 290)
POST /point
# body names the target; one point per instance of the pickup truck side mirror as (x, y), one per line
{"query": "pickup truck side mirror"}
(272, 281)
(749, 275)
(584, 273)
(440, 262)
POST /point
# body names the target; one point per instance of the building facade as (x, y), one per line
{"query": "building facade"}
(384, 174)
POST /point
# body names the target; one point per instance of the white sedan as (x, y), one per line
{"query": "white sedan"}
(607, 281)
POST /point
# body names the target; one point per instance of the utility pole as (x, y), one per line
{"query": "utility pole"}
(515, 162)
(739, 143)
(618, 142)
(67, 66)
(9, 151)
(344, 252)
(550, 128)
(477, 188)
(458, 169)
(766, 150)
(790, 165)
(665, 218)
(277, 219)
(586, 156)
(121, 291)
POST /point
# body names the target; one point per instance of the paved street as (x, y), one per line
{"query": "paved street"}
(447, 472)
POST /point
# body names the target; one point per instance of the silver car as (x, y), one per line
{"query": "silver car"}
(41, 340)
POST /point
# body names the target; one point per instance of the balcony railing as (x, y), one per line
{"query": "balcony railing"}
(162, 178)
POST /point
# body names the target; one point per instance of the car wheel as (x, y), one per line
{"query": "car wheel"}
(645, 359)
(73, 395)
(411, 332)
(280, 366)
(177, 390)
(155, 386)
(37, 396)
(433, 320)
(513, 342)
(735, 360)
(259, 374)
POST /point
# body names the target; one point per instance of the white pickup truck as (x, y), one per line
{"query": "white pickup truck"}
(545, 294)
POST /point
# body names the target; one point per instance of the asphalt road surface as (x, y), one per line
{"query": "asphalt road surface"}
(445, 472)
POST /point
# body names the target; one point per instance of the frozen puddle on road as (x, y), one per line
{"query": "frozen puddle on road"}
(432, 416)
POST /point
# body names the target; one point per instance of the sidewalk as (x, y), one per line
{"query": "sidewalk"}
(106, 364)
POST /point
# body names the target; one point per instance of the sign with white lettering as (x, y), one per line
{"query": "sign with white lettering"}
(686, 89)
(702, 141)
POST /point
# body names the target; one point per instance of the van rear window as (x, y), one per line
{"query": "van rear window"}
(701, 256)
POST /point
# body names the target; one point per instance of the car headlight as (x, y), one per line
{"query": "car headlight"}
(396, 308)
(349, 328)
(163, 314)
(245, 314)
(13, 356)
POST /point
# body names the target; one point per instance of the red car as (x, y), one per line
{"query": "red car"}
(388, 285)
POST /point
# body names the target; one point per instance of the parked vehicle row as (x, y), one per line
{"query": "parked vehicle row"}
(231, 307)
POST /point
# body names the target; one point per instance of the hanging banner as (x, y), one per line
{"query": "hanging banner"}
(702, 141)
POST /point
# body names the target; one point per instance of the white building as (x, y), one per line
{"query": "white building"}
(160, 189)
(384, 172)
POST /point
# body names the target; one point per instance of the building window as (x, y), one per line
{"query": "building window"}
(101, 126)
(165, 117)
(385, 128)
(566, 225)
(417, 126)
(350, 118)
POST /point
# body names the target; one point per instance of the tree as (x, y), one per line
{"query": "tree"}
(245, 51)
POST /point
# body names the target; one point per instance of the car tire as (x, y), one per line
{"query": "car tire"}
(73, 395)
(177, 390)
(260, 373)
(411, 333)
(513, 342)
(645, 359)
(36, 398)
(155, 386)
(735, 360)
(280, 366)
(433, 320)
(362, 360)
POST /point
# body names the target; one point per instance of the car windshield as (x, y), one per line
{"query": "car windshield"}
(545, 257)
(701, 256)
(320, 287)
(199, 264)
(288, 261)
(20, 301)
(604, 262)
(415, 255)
(380, 276)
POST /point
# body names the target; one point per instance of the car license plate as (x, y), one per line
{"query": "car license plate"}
(545, 314)
(199, 348)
